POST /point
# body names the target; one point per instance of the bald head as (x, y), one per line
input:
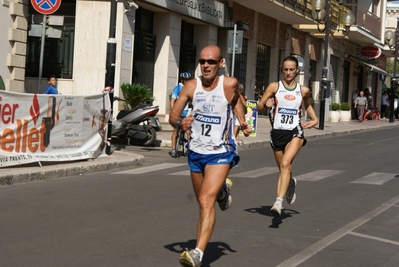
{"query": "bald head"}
(211, 51)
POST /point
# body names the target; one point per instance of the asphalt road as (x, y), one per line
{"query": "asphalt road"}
(346, 213)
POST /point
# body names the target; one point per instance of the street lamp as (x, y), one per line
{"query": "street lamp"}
(391, 39)
(321, 14)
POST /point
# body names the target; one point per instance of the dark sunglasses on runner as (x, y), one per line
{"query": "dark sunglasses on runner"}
(210, 61)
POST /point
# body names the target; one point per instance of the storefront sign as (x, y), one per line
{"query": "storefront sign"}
(370, 52)
(38, 127)
(206, 10)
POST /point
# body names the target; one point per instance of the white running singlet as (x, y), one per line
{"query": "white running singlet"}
(286, 113)
(212, 128)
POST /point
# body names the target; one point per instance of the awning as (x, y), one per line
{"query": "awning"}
(372, 67)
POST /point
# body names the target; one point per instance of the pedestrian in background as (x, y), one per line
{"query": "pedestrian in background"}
(184, 77)
(211, 148)
(361, 104)
(370, 101)
(384, 104)
(243, 100)
(51, 89)
(287, 136)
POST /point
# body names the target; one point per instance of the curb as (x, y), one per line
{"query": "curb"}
(53, 170)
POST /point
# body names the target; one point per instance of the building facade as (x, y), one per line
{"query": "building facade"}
(158, 39)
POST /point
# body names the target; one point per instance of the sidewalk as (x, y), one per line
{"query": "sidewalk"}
(33, 172)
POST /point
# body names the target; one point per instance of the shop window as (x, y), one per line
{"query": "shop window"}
(58, 45)
(262, 68)
(240, 63)
(144, 48)
(188, 51)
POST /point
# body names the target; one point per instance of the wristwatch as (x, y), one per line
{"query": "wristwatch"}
(177, 124)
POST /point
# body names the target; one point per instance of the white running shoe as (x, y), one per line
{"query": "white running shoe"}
(276, 209)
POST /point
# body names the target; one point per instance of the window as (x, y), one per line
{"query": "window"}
(262, 67)
(240, 63)
(58, 45)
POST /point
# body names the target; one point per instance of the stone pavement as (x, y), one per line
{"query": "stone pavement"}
(32, 172)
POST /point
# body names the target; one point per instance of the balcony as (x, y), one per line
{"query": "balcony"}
(298, 13)
(367, 28)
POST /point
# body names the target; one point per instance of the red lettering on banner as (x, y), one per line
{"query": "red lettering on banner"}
(21, 140)
(7, 113)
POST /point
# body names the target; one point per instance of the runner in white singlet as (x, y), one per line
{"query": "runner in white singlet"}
(287, 137)
(212, 148)
(212, 128)
(286, 113)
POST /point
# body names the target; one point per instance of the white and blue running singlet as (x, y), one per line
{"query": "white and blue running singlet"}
(212, 128)
(286, 113)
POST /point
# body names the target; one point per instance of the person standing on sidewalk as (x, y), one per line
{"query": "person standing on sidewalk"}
(384, 104)
(212, 147)
(361, 105)
(287, 135)
(184, 77)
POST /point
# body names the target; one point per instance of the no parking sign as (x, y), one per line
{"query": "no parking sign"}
(46, 7)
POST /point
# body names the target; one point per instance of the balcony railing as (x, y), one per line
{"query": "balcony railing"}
(366, 20)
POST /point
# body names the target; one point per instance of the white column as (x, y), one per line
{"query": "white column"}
(166, 70)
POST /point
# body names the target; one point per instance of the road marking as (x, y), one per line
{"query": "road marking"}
(256, 173)
(249, 174)
(317, 175)
(157, 167)
(375, 178)
(328, 240)
(375, 238)
(185, 173)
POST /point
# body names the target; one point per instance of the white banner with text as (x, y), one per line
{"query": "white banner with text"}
(38, 127)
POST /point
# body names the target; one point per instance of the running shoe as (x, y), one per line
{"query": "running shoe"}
(225, 203)
(290, 195)
(276, 209)
(173, 153)
(190, 258)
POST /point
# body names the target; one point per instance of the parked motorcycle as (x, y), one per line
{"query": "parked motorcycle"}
(138, 125)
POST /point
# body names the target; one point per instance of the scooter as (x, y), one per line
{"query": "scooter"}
(138, 125)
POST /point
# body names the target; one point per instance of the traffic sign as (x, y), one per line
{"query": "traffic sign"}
(46, 7)
(237, 45)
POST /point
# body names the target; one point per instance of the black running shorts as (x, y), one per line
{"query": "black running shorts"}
(280, 138)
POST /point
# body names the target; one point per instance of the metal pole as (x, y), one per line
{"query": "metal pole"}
(42, 52)
(110, 67)
(324, 75)
(394, 81)
(234, 48)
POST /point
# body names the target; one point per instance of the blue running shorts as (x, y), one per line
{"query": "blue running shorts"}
(197, 162)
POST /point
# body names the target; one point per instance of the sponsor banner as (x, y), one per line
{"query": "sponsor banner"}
(252, 116)
(38, 127)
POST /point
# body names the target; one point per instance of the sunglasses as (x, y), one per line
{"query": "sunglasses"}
(210, 61)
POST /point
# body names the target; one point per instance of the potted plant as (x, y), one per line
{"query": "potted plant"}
(334, 113)
(345, 112)
(135, 94)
